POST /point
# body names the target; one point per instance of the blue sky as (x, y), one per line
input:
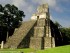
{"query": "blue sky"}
(59, 9)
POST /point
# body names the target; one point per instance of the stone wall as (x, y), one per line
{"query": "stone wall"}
(36, 43)
(42, 38)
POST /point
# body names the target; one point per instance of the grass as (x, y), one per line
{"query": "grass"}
(61, 49)
(16, 50)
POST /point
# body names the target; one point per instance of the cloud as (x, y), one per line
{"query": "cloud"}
(58, 9)
(4, 2)
(51, 3)
(52, 18)
(27, 6)
(66, 0)
(23, 5)
(30, 6)
(19, 3)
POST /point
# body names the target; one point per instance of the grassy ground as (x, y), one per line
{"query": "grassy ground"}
(61, 49)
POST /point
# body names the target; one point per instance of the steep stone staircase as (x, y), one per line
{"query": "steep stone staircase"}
(19, 34)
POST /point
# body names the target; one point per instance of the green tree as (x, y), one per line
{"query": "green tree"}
(57, 24)
(10, 17)
(66, 35)
(65, 32)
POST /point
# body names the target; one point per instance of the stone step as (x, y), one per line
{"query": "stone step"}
(19, 34)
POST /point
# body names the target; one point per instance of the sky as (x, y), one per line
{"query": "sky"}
(59, 9)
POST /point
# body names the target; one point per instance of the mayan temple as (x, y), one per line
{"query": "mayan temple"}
(42, 33)
(37, 33)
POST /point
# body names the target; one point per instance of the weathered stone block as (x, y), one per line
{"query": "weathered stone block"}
(41, 22)
(53, 42)
(48, 31)
(36, 43)
(39, 32)
(47, 42)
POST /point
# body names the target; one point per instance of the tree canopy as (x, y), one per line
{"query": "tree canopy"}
(57, 24)
(10, 17)
(65, 32)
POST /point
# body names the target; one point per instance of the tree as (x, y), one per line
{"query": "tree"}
(65, 33)
(57, 24)
(10, 17)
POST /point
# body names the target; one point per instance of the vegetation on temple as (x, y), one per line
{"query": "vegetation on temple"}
(65, 33)
(10, 18)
